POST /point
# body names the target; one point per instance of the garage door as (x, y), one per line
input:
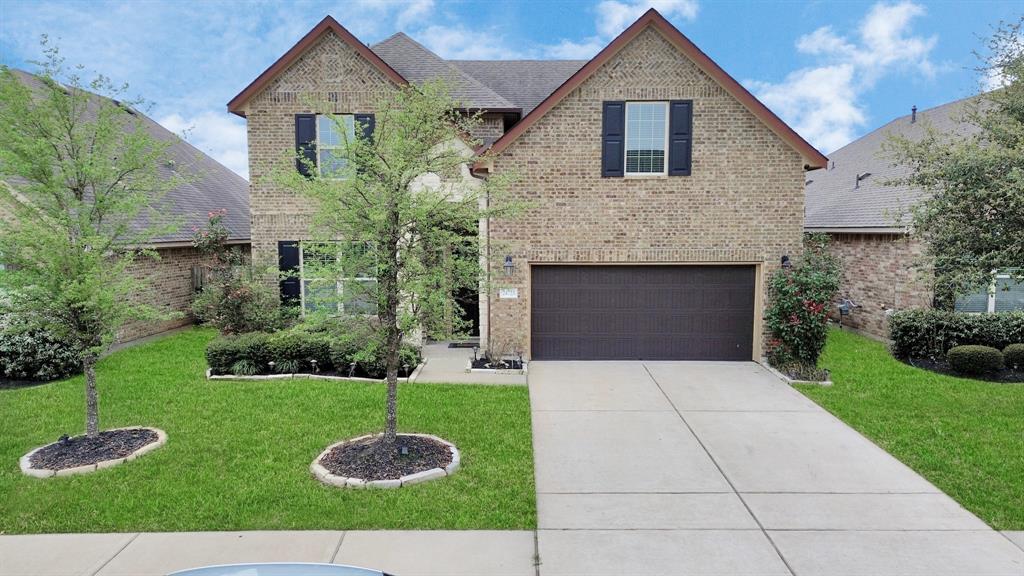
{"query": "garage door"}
(642, 312)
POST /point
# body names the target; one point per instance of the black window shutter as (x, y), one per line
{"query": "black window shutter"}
(680, 137)
(305, 143)
(368, 122)
(613, 132)
(288, 263)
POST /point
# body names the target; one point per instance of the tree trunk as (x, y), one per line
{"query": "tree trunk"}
(92, 400)
(392, 333)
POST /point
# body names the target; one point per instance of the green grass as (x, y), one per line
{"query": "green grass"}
(238, 453)
(965, 436)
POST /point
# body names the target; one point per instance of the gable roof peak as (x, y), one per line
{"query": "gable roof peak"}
(328, 24)
(652, 18)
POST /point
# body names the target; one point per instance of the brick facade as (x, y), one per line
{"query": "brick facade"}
(168, 286)
(330, 73)
(743, 202)
(880, 274)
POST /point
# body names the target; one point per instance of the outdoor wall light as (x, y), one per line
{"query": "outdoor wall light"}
(786, 263)
(509, 267)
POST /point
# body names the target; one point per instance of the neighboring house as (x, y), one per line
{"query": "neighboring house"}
(660, 192)
(855, 201)
(171, 281)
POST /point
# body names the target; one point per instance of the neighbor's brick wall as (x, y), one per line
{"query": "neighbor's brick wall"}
(743, 203)
(168, 286)
(330, 73)
(880, 274)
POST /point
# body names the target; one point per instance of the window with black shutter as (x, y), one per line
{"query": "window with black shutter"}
(680, 137)
(613, 126)
(646, 138)
(305, 144)
(288, 263)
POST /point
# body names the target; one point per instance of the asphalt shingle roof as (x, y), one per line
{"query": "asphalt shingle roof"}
(417, 64)
(833, 198)
(526, 83)
(209, 185)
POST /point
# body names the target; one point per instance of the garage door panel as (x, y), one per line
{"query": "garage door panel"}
(642, 312)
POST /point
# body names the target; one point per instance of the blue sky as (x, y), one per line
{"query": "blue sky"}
(833, 70)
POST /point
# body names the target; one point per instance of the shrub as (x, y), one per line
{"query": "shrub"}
(973, 359)
(1013, 355)
(34, 354)
(801, 295)
(224, 354)
(296, 348)
(931, 333)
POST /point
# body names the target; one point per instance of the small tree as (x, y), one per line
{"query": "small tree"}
(80, 173)
(405, 210)
(801, 296)
(234, 299)
(972, 220)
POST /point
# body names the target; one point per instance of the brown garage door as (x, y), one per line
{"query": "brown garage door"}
(642, 312)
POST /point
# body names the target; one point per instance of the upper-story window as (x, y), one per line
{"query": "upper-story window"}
(332, 136)
(642, 138)
(646, 137)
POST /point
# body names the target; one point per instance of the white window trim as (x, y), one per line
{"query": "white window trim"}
(339, 286)
(320, 146)
(625, 140)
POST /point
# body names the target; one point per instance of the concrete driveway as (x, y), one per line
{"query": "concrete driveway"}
(707, 468)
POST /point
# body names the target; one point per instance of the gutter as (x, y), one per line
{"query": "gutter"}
(860, 230)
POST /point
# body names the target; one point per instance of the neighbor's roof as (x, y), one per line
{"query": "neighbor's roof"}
(834, 201)
(209, 186)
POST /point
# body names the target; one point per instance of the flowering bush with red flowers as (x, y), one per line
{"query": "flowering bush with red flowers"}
(801, 296)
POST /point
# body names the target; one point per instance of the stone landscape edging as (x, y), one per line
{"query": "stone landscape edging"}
(211, 376)
(25, 461)
(792, 381)
(510, 371)
(326, 477)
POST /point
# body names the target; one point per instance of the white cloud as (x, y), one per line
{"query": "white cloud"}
(461, 43)
(220, 136)
(614, 16)
(823, 102)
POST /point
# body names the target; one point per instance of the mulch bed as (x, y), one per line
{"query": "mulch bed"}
(503, 365)
(83, 451)
(1008, 376)
(357, 460)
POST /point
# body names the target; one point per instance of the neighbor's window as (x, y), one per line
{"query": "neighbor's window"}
(1004, 295)
(646, 137)
(331, 142)
(325, 287)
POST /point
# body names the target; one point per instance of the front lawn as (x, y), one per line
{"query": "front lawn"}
(965, 436)
(238, 453)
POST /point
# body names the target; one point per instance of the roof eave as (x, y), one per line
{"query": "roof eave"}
(237, 104)
(858, 229)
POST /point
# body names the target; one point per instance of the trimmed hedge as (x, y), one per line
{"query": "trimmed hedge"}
(973, 359)
(931, 333)
(294, 350)
(1014, 356)
(37, 355)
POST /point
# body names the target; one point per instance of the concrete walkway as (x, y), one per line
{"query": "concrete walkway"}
(445, 365)
(404, 553)
(669, 468)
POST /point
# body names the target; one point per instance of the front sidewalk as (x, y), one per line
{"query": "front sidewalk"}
(404, 553)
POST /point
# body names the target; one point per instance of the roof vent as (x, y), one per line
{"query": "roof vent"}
(861, 177)
(913, 113)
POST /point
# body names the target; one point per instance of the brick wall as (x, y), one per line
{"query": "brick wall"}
(880, 274)
(330, 74)
(743, 203)
(168, 285)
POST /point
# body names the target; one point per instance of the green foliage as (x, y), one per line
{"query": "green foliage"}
(1014, 356)
(234, 299)
(35, 354)
(970, 221)
(975, 360)
(297, 349)
(931, 333)
(801, 295)
(86, 172)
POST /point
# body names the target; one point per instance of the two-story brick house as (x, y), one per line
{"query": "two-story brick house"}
(660, 192)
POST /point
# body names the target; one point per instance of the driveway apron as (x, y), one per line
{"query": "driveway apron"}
(718, 468)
